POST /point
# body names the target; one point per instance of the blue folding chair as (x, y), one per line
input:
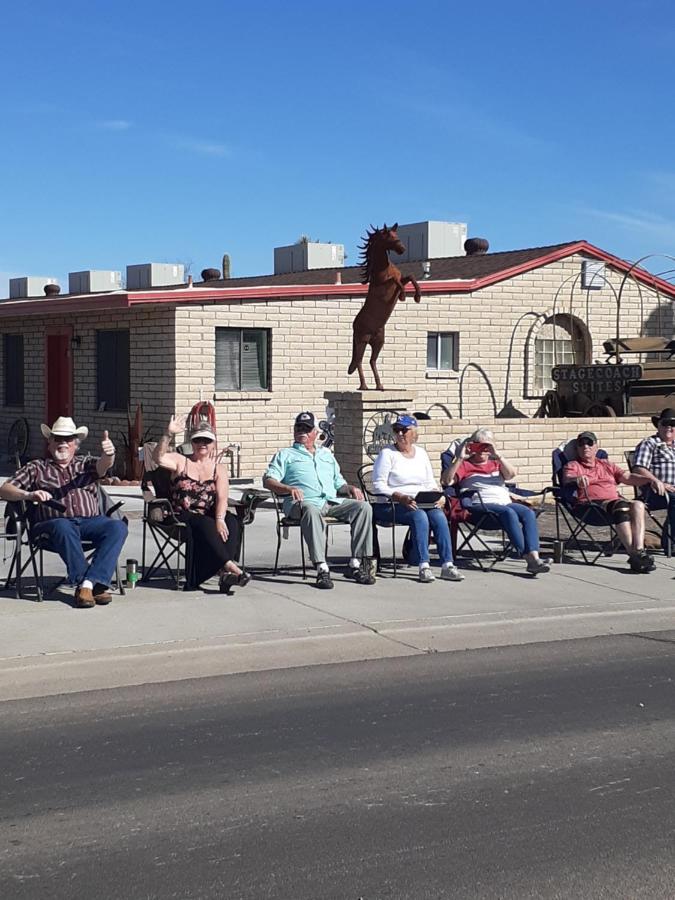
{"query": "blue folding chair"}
(579, 517)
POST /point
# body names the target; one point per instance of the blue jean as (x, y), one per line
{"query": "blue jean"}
(66, 534)
(420, 522)
(518, 521)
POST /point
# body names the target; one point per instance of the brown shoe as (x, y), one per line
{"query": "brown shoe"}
(84, 598)
(102, 595)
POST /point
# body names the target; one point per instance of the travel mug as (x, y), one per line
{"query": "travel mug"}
(132, 573)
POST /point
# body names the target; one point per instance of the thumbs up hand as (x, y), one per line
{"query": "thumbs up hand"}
(107, 445)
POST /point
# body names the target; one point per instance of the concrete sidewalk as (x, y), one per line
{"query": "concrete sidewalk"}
(158, 634)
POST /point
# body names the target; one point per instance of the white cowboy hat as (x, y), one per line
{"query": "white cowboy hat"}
(64, 427)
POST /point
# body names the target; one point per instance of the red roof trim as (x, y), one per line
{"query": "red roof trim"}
(93, 302)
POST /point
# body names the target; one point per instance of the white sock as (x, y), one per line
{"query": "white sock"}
(447, 565)
(355, 563)
(322, 567)
(424, 565)
(87, 584)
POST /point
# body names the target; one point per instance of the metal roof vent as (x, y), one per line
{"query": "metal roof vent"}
(476, 246)
(52, 290)
(210, 274)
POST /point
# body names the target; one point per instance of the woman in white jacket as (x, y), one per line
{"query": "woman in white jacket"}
(400, 472)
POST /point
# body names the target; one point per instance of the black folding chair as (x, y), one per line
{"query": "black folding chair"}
(286, 523)
(13, 533)
(580, 517)
(653, 503)
(36, 545)
(365, 478)
(171, 536)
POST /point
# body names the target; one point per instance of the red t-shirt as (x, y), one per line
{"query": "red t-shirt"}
(603, 477)
(484, 478)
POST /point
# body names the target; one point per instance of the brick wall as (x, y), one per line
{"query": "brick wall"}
(152, 342)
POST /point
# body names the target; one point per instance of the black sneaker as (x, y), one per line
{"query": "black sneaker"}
(323, 580)
(647, 563)
(366, 572)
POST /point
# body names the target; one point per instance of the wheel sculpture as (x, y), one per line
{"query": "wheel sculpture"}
(378, 432)
(17, 439)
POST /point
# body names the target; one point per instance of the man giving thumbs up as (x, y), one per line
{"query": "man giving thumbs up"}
(61, 494)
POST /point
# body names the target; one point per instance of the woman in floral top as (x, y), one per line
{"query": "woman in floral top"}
(199, 490)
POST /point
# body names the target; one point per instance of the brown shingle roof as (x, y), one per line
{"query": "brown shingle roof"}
(449, 268)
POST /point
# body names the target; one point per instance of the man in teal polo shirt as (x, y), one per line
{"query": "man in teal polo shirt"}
(309, 479)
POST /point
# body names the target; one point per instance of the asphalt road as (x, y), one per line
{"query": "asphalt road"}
(540, 771)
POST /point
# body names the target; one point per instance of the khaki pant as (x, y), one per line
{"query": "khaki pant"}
(357, 512)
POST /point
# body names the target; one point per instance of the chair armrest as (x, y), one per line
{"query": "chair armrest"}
(113, 509)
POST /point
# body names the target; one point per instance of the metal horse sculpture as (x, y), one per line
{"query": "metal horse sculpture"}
(386, 285)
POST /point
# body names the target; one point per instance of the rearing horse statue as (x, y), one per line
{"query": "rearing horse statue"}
(386, 285)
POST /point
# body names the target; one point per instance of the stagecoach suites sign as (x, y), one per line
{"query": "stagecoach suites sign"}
(594, 380)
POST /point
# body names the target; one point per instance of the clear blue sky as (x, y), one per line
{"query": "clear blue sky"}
(166, 131)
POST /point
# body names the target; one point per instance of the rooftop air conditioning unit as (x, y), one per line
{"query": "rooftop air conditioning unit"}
(29, 286)
(431, 240)
(150, 275)
(94, 281)
(306, 255)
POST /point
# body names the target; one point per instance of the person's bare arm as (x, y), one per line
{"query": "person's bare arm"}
(222, 494)
(641, 476)
(162, 455)
(283, 490)
(15, 494)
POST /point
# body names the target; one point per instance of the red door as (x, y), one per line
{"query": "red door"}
(59, 372)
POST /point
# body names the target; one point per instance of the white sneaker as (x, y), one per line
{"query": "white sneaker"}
(426, 576)
(452, 573)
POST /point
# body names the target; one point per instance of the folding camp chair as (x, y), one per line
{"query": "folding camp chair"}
(171, 536)
(287, 523)
(653, 503)
(12, 534)
(36, 545)
(469, 523)
(579, 517)
(365, 478)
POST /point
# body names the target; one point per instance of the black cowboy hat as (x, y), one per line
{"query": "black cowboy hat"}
(667, 415)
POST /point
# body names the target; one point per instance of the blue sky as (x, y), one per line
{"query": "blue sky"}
(148, 131)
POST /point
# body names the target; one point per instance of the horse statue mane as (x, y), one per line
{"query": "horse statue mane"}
(386, 286)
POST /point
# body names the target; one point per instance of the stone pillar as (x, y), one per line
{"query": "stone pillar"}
(353, 411)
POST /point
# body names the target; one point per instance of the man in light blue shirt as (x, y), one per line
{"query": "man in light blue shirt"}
(309, 479)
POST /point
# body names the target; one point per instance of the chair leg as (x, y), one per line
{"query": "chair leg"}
(243, 546)
(120, 582)
(276, 559)
(302, 553)
(393, 545)
(39, 578)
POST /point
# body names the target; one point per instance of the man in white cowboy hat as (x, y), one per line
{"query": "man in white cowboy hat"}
(71, 480)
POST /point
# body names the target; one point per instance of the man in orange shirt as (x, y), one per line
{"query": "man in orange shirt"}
(596, 481)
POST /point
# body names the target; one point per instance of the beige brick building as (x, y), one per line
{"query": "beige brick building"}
(483, 336)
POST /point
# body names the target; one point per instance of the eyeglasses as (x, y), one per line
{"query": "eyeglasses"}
(584, 442)
(202, 440)
(400, 429)
(669, 423)
(64, 439)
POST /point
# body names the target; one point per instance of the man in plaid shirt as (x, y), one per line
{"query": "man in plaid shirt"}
(655, 458)
(63, 487)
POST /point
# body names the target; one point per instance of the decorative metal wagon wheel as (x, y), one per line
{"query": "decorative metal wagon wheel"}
(378, 433)
(17, 440)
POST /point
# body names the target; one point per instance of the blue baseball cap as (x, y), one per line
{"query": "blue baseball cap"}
(406, 421)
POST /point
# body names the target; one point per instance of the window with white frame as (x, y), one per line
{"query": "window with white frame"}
(442, 351)
(242, 359)
(563, 345)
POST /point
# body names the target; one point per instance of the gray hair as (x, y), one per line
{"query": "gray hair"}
(482, 436)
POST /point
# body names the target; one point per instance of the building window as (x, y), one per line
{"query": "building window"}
(566, 343)
(13, 366)
(442, 350)
(112, 369)
(242, 359)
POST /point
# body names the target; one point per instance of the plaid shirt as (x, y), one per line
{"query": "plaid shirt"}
(74, 485)
(655, 455)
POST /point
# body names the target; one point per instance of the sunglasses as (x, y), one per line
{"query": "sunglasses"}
(668, 423)
(202, 440)
(400, 429)
(64, 439)
(584, 442)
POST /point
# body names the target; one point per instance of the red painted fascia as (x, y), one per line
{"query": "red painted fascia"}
(91, 303)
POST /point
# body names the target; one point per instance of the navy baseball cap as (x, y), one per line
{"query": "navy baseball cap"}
(305, 420)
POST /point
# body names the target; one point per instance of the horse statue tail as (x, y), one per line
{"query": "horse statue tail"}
(356, 356)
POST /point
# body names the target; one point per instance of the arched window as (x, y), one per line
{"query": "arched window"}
(566, 342)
